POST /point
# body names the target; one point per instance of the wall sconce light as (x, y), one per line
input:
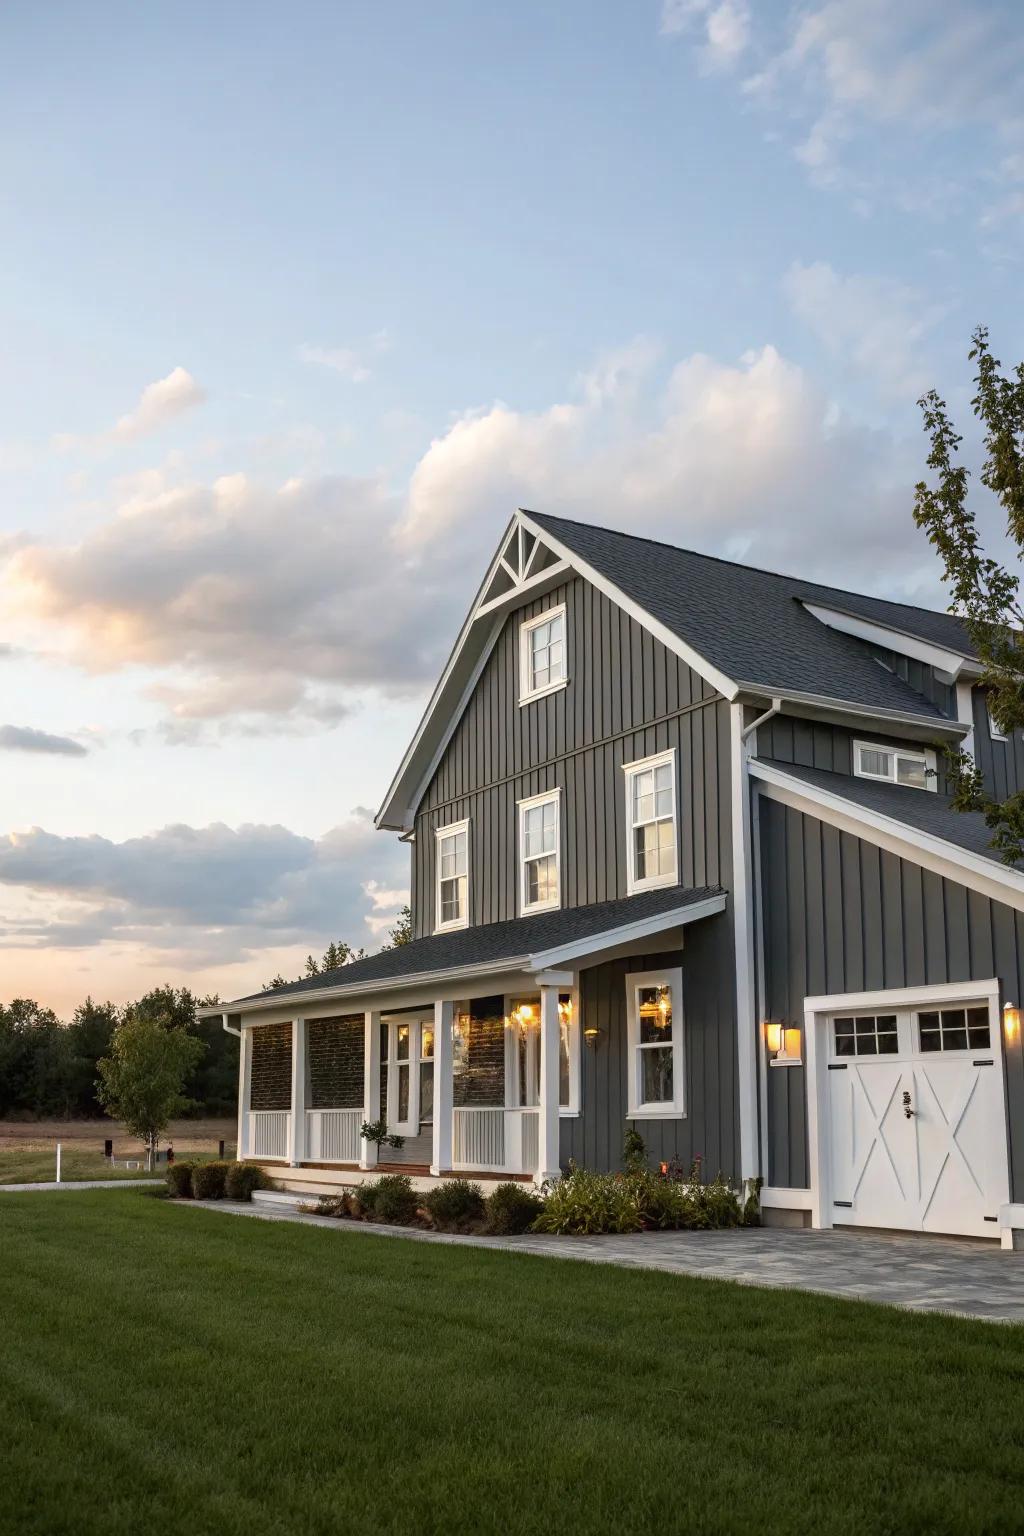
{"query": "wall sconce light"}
(1011, 1022)
(591, 1034)
(783, 1043)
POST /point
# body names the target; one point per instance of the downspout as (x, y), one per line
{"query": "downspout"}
(229, 1027)
(748, 730)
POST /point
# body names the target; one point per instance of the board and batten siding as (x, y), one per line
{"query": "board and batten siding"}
(841, 915)
(710, 1127)
(818, 744)
(627, 697)
(1001, 762)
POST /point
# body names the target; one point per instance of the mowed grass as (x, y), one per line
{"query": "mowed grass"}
(37, 1164)
(176, 1370)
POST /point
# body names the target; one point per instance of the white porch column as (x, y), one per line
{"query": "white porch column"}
(371, 1084)
(547, 1119)
(244, 1092)
(441, 1158)
(297, 1124)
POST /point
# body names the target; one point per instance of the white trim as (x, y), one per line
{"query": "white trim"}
(527, 693)
(440, 833)
(994, 733)
(922, 755)
(952, 663)
(965, 714)
(636, 1108)
(817, 1013)
(998, 881)
(668, 637)
(775, 1198)
(550, 796)
(631, 770)
(535, 584)
(743, 933)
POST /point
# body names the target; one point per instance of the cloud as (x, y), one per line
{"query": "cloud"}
(875, 322)
(725, 27)
(247, 607)
(24, 738)
(216, 893)
(159, 403)
(349, 361)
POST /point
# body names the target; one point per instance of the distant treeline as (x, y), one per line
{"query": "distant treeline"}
(48, 1068)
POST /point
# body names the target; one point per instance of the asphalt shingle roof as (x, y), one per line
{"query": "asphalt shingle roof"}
(919, 809)
(752, 624)
(490, 942)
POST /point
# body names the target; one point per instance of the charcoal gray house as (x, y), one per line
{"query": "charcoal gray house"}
(681, 859)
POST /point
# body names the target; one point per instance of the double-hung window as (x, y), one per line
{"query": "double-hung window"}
(652, 857)
(453, 876)
(894, 765)
(654, 1026)
(539, 858)
(542, 660)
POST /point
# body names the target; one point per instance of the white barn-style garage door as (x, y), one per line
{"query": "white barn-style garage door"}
(911, 1123)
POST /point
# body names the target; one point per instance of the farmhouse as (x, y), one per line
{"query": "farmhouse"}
(682, 859)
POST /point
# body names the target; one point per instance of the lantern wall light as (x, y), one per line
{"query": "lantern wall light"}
(1011, 1022)
(782, 1041)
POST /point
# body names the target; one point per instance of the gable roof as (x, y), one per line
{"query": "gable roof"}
(746, 631)
(753, 625)
(522, 943)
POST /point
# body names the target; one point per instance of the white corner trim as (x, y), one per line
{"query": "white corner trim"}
(743, 929)
(952, 663)
(668, 638)
(997, 881)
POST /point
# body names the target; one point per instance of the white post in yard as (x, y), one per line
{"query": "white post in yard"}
(547, 1116)
(244, 1092)
(441, 1157)
(297, 1122)
(58, 1162)
(371, 1085)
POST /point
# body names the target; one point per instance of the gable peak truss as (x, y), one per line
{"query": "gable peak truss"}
(524, 563)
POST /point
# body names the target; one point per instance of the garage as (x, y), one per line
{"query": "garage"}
(909, 1126)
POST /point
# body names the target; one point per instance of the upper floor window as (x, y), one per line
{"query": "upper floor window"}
(453, 876)
(994, 730)
(654, 1017)
(651, 852)
(542, 662)
(539, 860)
(894, 765)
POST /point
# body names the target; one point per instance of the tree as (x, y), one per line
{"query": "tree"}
(334, 957)
(141, 1080)
(401, 933)
(983, 593)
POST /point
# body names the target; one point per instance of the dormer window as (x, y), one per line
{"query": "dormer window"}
(542, 661)
(894, 765)
(994, 731)
(452, 876)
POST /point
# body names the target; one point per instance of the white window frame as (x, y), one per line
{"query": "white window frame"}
(994, 733)
(671, 977)
(925, 756)
(410, 1126)
(553, 796)
(440, 833)
(526, 692)
(630, 770)
(512, 1082)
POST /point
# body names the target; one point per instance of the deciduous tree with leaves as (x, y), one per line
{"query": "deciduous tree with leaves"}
(142, 1079)
(983, 593)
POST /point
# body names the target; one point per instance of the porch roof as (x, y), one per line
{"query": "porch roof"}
(547, 939)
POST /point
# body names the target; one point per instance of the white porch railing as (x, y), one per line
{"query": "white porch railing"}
(268, 1133)
(332, 1135)
(496, 1140)
(529, 1126)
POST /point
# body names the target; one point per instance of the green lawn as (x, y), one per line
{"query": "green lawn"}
(34, 1164)
(173, 1371)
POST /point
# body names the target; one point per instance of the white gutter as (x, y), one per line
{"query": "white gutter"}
(230, 1028)
(748, 730)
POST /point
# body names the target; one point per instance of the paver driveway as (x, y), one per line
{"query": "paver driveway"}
(929, 1274)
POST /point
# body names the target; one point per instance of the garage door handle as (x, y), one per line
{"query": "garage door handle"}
(906, 1105)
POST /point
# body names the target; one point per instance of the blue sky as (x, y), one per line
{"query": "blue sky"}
(300, 301)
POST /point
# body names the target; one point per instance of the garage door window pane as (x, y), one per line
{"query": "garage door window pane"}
(868, 1034)
(977, 1029)
(954, 1029)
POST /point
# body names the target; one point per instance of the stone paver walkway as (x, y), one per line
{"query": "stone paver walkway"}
(927, 1274)
(33, 1189)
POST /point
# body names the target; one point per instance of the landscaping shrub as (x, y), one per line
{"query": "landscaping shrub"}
(179, 1180)
(584, 1203)
(208, 1180)
(512, 1208)
(390, 1198)
(240, 1179)
(455, 1206)
(329, 1205)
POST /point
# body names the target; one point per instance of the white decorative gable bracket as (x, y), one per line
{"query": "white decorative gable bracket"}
(525, 565)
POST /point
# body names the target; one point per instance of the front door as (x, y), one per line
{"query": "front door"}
(917, 1129)
(407, 1074)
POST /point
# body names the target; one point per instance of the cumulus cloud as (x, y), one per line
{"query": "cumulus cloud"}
(246, 604)
(221, 892)
(159, 403)
(875, 322)
(25, 738)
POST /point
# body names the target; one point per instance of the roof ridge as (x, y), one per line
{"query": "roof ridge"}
(760, 570)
